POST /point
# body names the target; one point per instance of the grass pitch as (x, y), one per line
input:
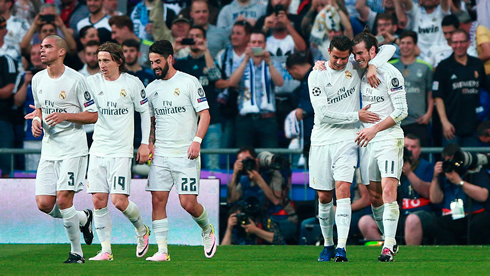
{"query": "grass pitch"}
(33, 259)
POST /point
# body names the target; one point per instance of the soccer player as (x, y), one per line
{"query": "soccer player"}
(334, 94)
(118, 95)
(177, 102)
(382, 159)
(63, 102)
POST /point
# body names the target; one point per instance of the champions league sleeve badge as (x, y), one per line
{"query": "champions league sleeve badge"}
(88, 99)
(202, 98)
(395, 82)
(316, 91)
(143, 96)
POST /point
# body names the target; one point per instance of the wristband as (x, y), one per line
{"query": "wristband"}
(37, 119)
(197, 139)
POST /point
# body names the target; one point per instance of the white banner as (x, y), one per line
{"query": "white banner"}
(22, 222)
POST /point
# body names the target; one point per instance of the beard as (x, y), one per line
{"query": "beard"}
(163, 74)
(92, 65)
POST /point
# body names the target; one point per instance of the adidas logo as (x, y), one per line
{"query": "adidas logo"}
(329, 85)
(101, 93)
(453, 77)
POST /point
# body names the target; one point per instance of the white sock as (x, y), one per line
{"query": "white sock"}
(342, 220)
(71, 224)
(160, 229)
(378, 217)
(132, 212)
(326, 217)
(103, 227)
(203, 221)
(82, 217)
(390, 222)
(55, 213)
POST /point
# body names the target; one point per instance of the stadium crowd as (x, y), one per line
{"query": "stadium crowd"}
(442, 51)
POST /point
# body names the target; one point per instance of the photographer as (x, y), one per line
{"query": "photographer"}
(249, 225)
(463, 192)
(415, 185)
(265, 178)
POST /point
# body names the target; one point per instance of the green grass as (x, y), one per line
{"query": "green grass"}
(48, 259)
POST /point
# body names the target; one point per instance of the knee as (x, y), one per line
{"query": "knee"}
(120, 202)
(45, 207)
(324, 198)
(64, 202)
(366, 222)
(99, 201)
(188, 205)
(412, 223)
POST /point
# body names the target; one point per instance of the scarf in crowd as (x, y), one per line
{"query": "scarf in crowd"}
(250, 102)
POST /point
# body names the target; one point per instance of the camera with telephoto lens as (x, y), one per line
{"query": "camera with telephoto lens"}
(274, 161)
(407, 155)
(242, 219)
(249, 164)
(463, 160)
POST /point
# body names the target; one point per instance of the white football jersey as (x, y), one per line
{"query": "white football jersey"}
(381, 99)
(66, 94)
(428, 28)
(175, 103)
(116, 101)
(334, 95)
(17, 29)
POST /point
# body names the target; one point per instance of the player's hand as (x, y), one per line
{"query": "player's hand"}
(424, 120)
(250, 228)
(36, 128)
(438, 169)
(55, 118)
(371, 76)
(320, 65)
(448, 130)
(194, 150)
(232, 221)
(151, 148)
(142, 154)
(31, 115)
(364, 136)
(407, 168)
(368, 116)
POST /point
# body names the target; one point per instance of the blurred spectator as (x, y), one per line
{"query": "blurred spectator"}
(228, 61)
(6, 49)
(328, 23)
(179, 28)
(463, 194)
(27, 9)
(256, 77)
(87, 34)
(483, 12)
(16, 27)
(483, 49)
(436, 53)
(483, 132)
(264, 23)
(386, 32)
(250, 225)
(426, 18)
(131, 51)
(23, 99)
(252, 177)
(143, 27)
(310, 14)
(72, 11)
(213, 11)
(368, 13)
(91, 66)
(470, 27)
(122, 29)
(110, 8)
(98, 19)
(415, 184)
(249, 10)
(200, 64)
(8, 75)
(455, 89)
(418, 87)
(217, 37)
(299, 67)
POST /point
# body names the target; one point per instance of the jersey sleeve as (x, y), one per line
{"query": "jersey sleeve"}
(384, 54)
(396, 91)
(319, 101)
(85, 96)
(34, 86)
(197, 95)
(140, 99)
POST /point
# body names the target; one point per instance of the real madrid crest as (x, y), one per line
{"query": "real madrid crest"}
(63, 95)
(123, 93)
(176, 92)
(348, 75)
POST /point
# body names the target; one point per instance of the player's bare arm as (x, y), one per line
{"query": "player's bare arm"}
(84, 117)
(151, 145)
(202, 128)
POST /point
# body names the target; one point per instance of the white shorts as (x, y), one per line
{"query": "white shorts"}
(165, 172)
(382, 159)
(109, 175)
(60, 175)
(330, 163)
